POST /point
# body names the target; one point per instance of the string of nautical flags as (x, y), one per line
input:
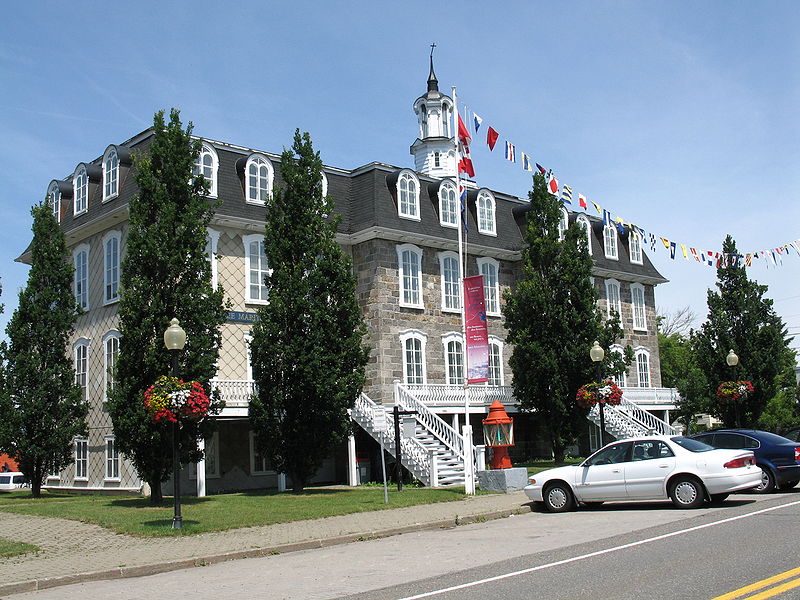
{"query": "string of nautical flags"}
(769, 256)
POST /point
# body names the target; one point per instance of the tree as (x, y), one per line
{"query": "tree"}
(307, 354)
(679, 370)
(679, 321)
(43, 408)
(741, 319)
(552, 319)
(165, 273)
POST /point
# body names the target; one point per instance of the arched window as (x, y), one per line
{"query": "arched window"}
(80, 353)
(256, 270)
(635, 247)
(446, 116)
(408, 196)
(453, 358)
(409, 259)
(643, 367)
(413, 343)
(637, 302)
(451, 283)
(486, 222)
(621, 380)
(495, 361)
(610, 241)
(613, 301)
(80, 262)
(490, 268)
(110, 174)
(259, 179)
(111, 253)
(448, 204)
(563, 223)
(583, 221)
(110, 354)
(206, 165)
(54, 200)
(80, 186)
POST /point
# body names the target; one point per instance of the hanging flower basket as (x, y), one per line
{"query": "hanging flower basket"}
(734, 391)
(606, 392)
(169, 399)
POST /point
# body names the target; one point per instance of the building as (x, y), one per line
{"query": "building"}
(400, 226)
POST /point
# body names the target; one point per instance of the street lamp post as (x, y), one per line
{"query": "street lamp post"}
(732, 359)
(597, 355)
(175, 340)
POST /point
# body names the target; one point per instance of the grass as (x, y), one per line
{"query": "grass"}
(9, 548)
(137, 517)
(537, 466)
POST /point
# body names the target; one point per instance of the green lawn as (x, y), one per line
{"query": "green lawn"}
(536, 466)
(9, 548)
(214, 513)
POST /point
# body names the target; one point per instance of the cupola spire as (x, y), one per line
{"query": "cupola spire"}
(433, 83)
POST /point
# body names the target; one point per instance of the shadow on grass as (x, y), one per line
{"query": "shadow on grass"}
(166, 503)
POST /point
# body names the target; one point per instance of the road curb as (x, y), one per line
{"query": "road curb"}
(201, 561)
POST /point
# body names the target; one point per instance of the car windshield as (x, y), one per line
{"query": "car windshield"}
(691, 445)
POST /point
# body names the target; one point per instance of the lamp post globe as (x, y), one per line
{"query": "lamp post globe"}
(733, 359)
(174, 341)
(597, 354)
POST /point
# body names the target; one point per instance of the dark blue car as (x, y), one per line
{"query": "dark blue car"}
(778, 457)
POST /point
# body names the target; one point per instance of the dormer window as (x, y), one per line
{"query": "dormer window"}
(54, 200)
(635, 247)
(110, 174)
(448, 206)
(80, 185)
(485, 203)
(610, 241)
(259, 179)
(206, 165)
(583, 221)
(563, 223)
(408, 196)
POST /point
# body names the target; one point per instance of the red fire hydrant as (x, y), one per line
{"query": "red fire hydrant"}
(498, 433)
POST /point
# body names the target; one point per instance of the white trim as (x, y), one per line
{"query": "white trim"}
(635, 244)
(583, 220)
(258, 161)
(496, 341)
(638, 353)
(80, 182)
(613, 303)
(639, 308)
(114, 269)
(610, 241)
(324, 183)
(486, 213)
(491, 292)
(247, 240)
(620, 380)
(447, 339)
(200, 166)
(417, 335)
(248, 339)
(253, 455)
(81, 461)
(81, 361)
(82, 298)
(110, 335)
(412, 279)
(54, 199)
(212, 243)
(110, 176)
(111, 460)
(411, 192)
(563, 223)
(447, 192)
(456, 282)
(211, 448)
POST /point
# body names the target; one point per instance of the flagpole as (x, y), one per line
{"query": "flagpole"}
(469, 480)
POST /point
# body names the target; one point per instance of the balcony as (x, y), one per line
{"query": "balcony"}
(236, 394)
(442, 396)
(651, 398)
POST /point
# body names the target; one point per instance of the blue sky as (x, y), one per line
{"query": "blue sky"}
(679, 116)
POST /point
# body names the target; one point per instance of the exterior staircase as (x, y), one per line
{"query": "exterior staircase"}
(629, 420)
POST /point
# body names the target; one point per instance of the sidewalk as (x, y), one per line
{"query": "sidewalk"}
(72, 552)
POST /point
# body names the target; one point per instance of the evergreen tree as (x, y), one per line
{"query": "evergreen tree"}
(742, 320)
(552, 320)
(165, 273)
(307, 354)
(42, 406)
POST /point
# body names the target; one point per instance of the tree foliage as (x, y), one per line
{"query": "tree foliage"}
(165, 273)
(43, 408)
(552, 319)
(741, 319)
(307, 354)
(679, 369)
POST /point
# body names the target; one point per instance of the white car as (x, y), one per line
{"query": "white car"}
(12, 480)
(648, 468)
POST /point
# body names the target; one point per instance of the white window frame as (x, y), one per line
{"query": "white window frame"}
(485, 204)
(642, 361)
(490, 269)
(110, 357)
(112, 458)
(248, 240)
(451, 282)
(54, 199)
(448, 205)
(563, 223)
(256, 458)
(80, 191)
(212, 243)
(638, 306)
(620, 380)
(613, 298)
(496, 343)
(410, 283)
(111, 267)
(263, 181)
(408, 196)
(209, 171)
(414, 335)
(635, 248)
(80, 363)
(80, 278)
(583, 220)
(110, 174)
(81, 453)
(210, 447)
(248, 339)
(610, 245)
(454, 362)
(324, 183)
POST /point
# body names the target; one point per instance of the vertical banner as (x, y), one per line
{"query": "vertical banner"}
(476, 331)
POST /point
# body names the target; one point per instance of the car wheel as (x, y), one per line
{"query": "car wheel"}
(767, 482)
(787, 485)
(558, 497)
(686, 492)
(718, 498)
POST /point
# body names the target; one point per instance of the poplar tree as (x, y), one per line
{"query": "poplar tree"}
(307, 354)
(553, 319)
(42, 407)
(165, 273)
(742, 320)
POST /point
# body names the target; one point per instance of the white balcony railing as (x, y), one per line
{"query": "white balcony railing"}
(651, 395)
(235, 392)
(438, 394)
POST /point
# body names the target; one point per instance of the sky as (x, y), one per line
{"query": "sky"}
(678, 116)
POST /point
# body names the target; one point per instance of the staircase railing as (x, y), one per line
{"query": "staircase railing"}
(628, 419)
(429, 420)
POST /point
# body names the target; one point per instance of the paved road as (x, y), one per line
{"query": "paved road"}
(425, 561)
